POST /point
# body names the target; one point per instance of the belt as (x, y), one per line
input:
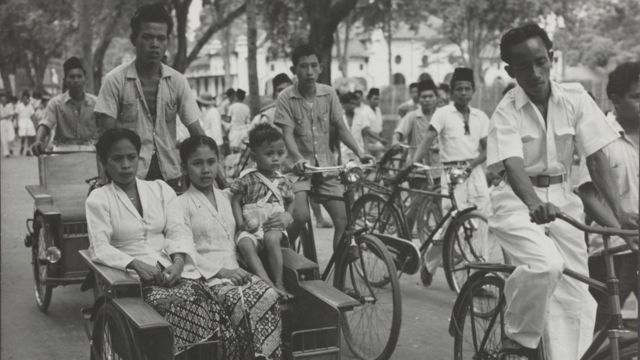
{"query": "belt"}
(456, 163)
(544, 181)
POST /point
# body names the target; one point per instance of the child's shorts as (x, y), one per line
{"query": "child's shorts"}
(322, 185)
(260, 214)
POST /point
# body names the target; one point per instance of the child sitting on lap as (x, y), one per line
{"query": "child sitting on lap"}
(257, 195)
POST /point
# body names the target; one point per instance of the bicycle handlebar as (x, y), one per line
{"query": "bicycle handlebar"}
(66, 152)
(609, 231)
(320, 169)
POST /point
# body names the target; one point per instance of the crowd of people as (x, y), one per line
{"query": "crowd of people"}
(154, 137)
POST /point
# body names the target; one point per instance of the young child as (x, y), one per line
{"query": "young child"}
(257, 195)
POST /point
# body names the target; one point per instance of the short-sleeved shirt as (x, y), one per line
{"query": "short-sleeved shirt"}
(359, 123)
(121, 98)
(72, 125)
(6, 112)
(517, 129)
(623, 155)
(311, 122)
(253, 189)
(455, 145)
(265, 116)
(212, 124)
(413, 127)
(373, 116)
(407, 107)
(24, 112)
(240, 115)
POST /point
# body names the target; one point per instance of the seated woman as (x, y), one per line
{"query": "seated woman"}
(249, 302)
(139, 225)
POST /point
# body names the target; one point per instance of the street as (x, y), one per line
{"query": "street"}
(27, 333)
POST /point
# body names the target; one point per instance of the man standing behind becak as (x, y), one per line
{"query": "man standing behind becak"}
(69, 115)
(532, 137)
(146, 96)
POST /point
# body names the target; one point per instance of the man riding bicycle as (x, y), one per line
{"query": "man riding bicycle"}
(532, 137)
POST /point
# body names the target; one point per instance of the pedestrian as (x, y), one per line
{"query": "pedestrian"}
(412, 103)
(266, 115)
(239, 117)
(444, 92)
(358, 124)
(623, 89)
(229, 98)
(532, 136)
(7, 131)
(69, 116)
(372, 112)
(307, 112)
(211, 121)
(147, 97)
(26, 130)
(461, 131)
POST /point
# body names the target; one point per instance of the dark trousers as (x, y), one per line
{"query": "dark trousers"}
(625, 266)
(154, 173)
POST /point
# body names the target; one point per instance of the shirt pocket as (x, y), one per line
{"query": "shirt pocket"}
(128, 115)
(170, 113)
(564, 137)
(322, 118)
(530, 136)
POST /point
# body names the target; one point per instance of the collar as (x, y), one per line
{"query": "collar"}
(132, 73)
(521, 97)
(611, 118)
(66, 97)
(321, 90)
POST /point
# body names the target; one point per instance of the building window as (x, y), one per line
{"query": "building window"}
(398, 59)
(398, 79)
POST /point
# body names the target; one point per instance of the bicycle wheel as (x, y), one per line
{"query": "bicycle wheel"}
(370, 212)
(628, 351)
(465, 242)
(428, 216)
(42, 239)
(371, 330)
(112, 337)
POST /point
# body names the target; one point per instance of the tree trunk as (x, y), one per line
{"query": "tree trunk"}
(181, 8)
(6, 80)
(252, 54)
(103, 45)
(86, 38)
(40, 66)
(338, 44)
(344, 59)
(390, 55)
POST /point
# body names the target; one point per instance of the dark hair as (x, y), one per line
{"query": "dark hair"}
(72, 63)
(37, 95)
(230, 93)
(191, 144)
(508, 88)
(303, 50)
(622, 78)
(373, 92)
(152, 13)
(112, 136)
(517, 35)
(347, 97)
(444, 87)
(240, 94)
(413, 85)
(280, 79)
(263, 133)
(25, 93)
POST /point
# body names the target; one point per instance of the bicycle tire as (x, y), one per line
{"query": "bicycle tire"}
(356, 284)
(628, 351)
(42, 239)
(428, 216)
(109, 324)
(460, 250)
(390, 222)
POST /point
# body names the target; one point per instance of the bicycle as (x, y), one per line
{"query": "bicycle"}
(479, 309)
(371, 330)
(461, 232)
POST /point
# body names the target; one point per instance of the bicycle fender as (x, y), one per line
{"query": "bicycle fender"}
(455, 218)
(461, 299)
(405, 254)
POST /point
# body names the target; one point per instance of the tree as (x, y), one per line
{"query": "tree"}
(252, 51)
(475, 26)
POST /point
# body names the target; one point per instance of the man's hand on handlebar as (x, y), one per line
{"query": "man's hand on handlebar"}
(298, 167)
(628, 220)
(38, 148)
(543, 213)
(367, 159)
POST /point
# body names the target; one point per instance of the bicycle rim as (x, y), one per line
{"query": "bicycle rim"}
(371, 330)
(466, 243)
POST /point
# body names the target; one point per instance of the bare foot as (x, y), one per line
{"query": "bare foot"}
(284, 294)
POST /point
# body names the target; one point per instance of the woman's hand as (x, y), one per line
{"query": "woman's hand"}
(237, 276)
(148, 274)
(172, 274)
(278, 221)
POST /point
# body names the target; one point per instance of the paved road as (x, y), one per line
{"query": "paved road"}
(27, 333)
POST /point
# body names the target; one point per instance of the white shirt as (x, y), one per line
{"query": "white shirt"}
(455, 145)
(213, 231)
(240, 115)
(212, 124)
(622, 154)
(374, 117)
(118, 233)
(358, 123)
(517, 129)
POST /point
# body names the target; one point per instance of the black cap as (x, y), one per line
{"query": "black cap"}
(373, 92)
(72, 63)
(427, 85)
(462, 74)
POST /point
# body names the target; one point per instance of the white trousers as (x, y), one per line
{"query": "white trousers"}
(7, 135)
(473, 191)
(541, 303)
